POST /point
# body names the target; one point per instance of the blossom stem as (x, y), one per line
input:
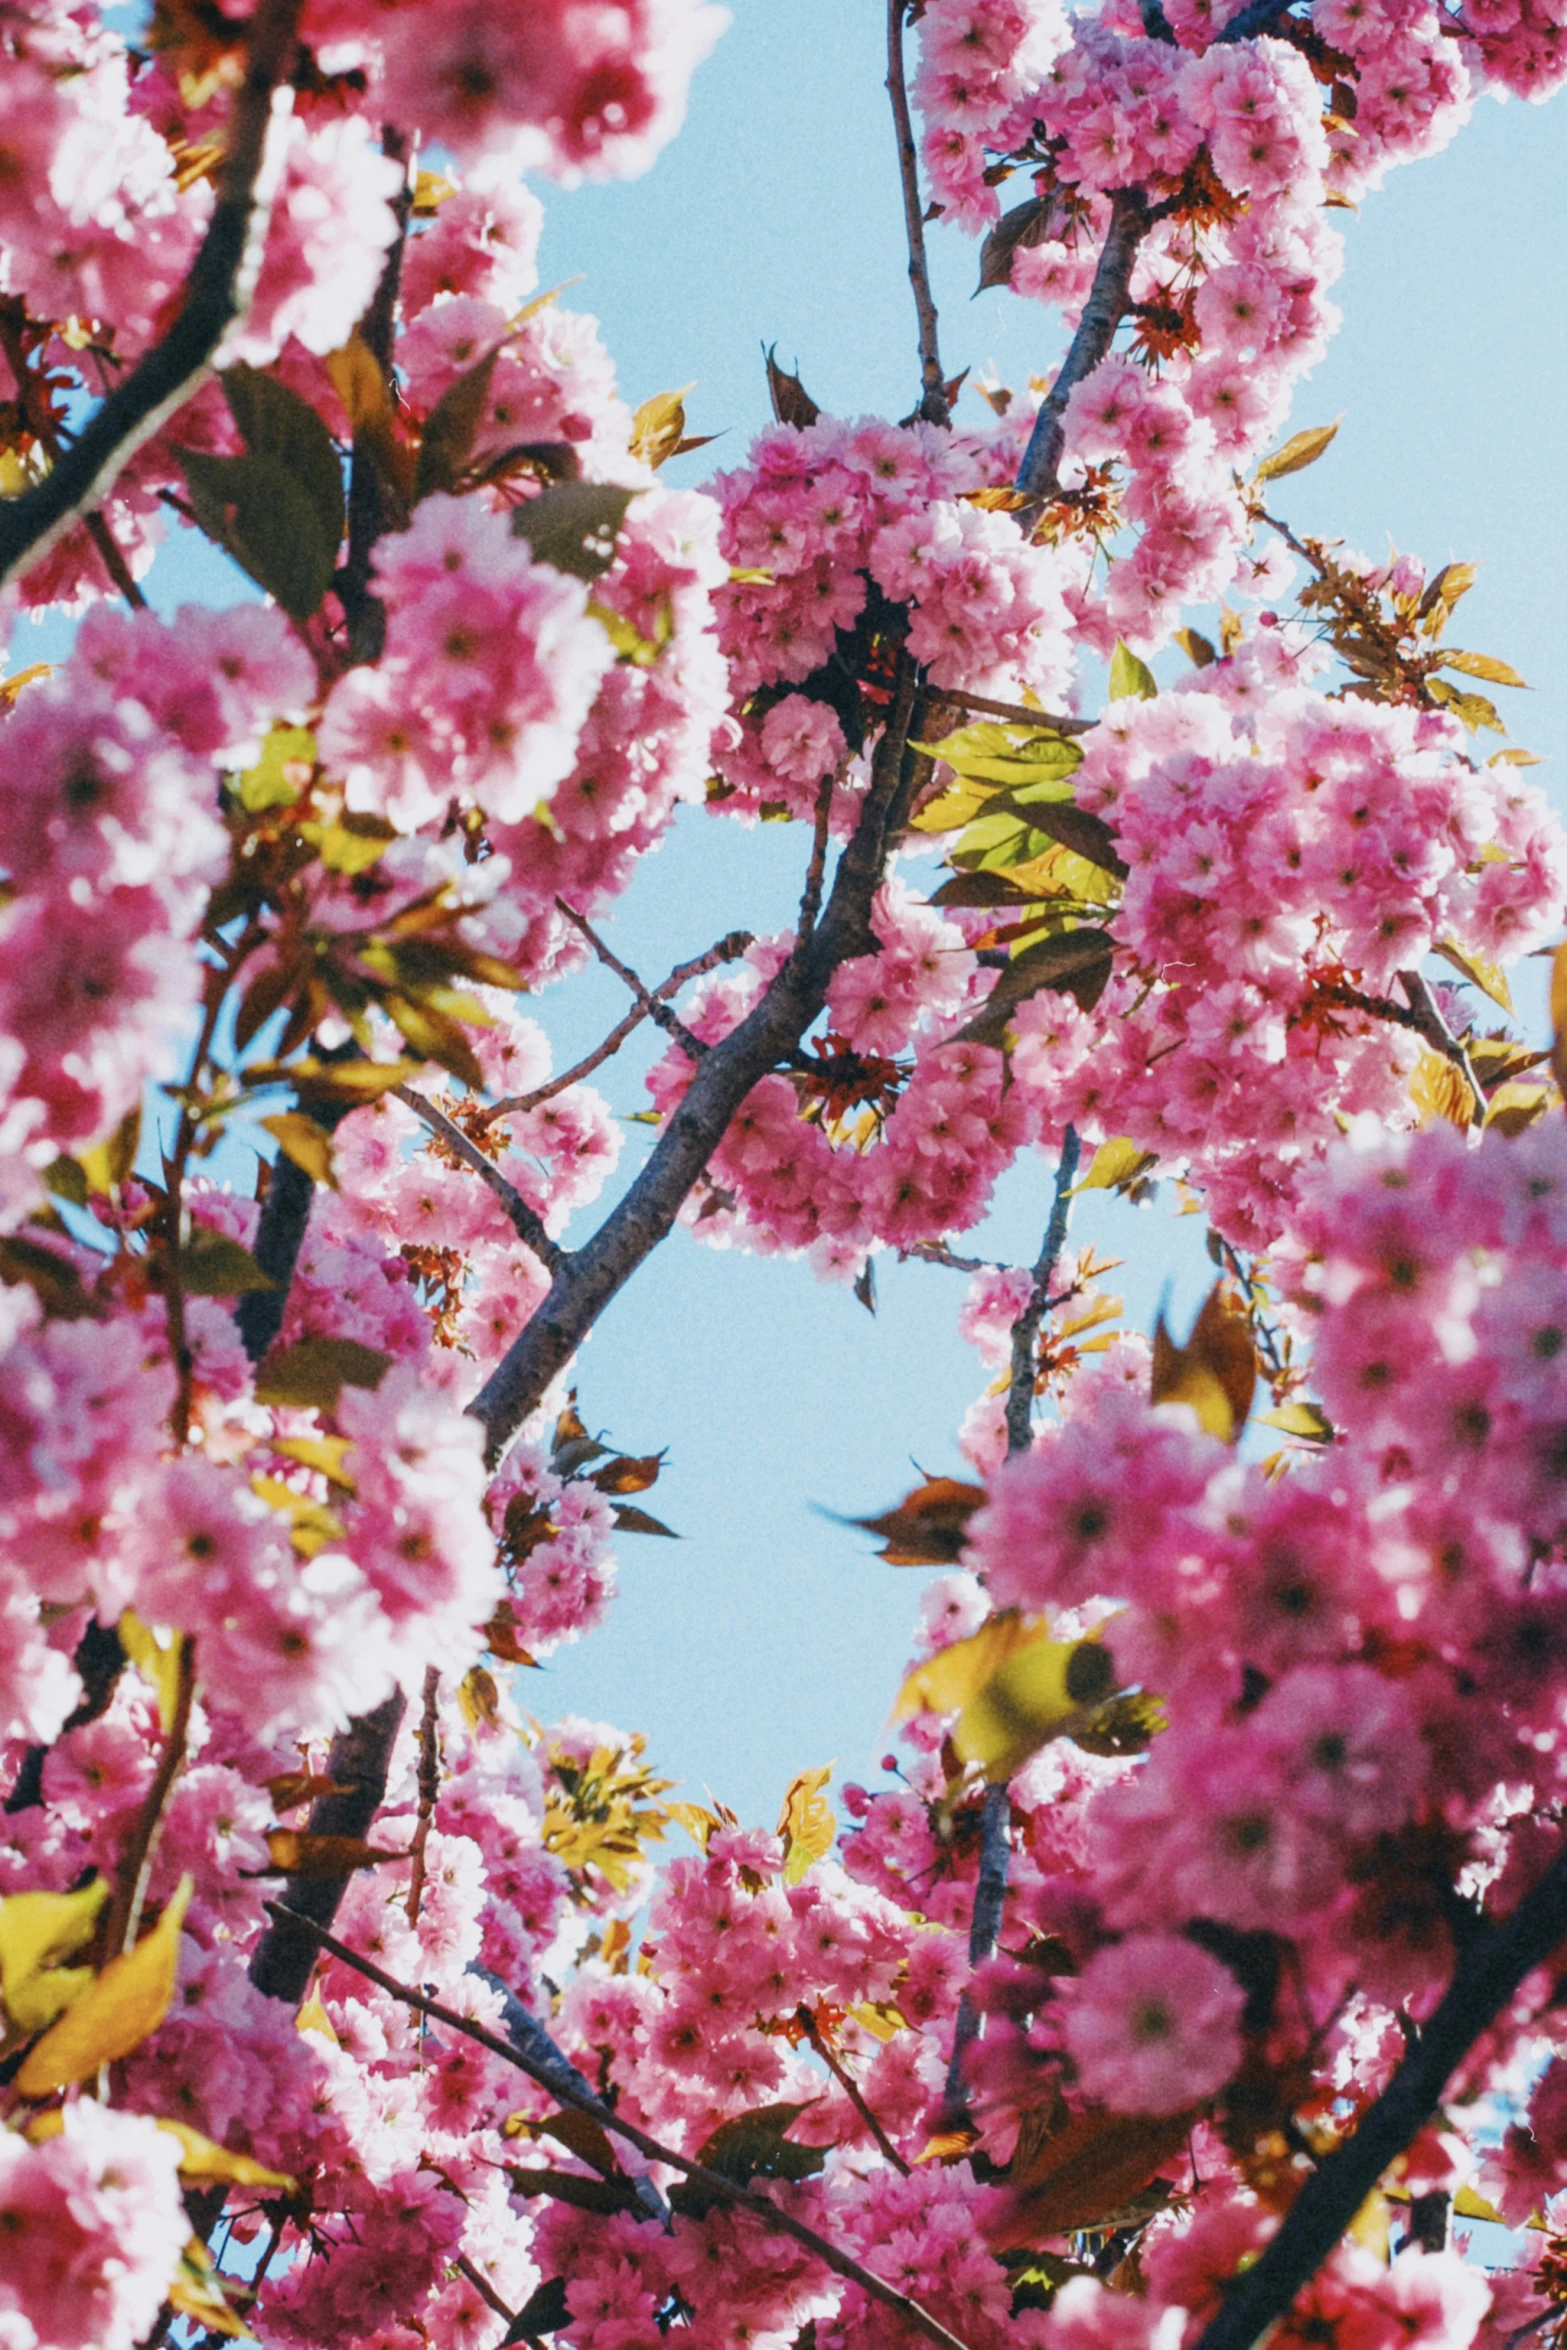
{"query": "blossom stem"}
(850, 2087)
(526, 1222)
(1015, 714)
(1489, 1970)
(933, 389)
(218, 292)
(713, 2183)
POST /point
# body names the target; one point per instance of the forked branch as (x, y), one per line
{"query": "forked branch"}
(933, 389)
(217, 292)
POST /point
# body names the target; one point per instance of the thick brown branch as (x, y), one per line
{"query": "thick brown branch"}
(358, 1761)
(713, 2183)
(933, 389)
(217, 292)
(1488, 1973)
(1025, 1330)
(724, 1076)
(1039, 474)
(526, 1222)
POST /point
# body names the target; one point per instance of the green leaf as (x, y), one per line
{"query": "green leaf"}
(436, 1037)
(1128, 675)
(1299, 451)
(258, 509)
(314, 1371)
(452, 428)
(216, 1266)
(1016, 755)
(67, 1179)
(51, 1277)
(574, 525)
(751, 2145)
(1075, 961)
(277, 424)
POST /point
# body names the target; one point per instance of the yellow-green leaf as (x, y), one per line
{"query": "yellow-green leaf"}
(1484, 665)
(309, 1146)
(1467, 2204)
(1013, 1687)
(806, 1823)
(1299, 451)
(195, 2291)
(200, 2158)
(157, 1661)
(658, 427)
(993, 753)
(1128, 675)
(1301, 1419)
(37, 1931)
(118, 2010)
(1489, 977)
(1116, 1165)
(1214, 1373)
(282, 773)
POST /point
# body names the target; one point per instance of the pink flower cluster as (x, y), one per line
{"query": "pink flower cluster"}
(1289, 854)
(829, 519)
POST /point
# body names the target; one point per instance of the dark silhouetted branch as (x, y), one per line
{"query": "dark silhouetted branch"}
(1025, 1330)
(217, 292)
(526, 1222)
(1130, 218)
(933, 388)
(1490, 1969)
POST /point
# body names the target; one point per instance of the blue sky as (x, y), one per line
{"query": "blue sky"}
(769, 1638)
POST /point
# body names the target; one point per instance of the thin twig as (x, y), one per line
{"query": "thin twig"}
(114, 562)
(712, 2182)
(485, 2290)
(728, 950)
(1048, 721)
(1039, 474)
(122, 1911)
(936, 1252)
(850, 2087)
(816, 871)
(429, 1789)
(1025, 1330)
(933, 388)
(1438, 1035)
(652, 1009)
(526, 1222)
(1488, 1972)
(217, 292)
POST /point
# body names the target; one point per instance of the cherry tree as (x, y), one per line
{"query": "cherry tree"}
(1197, 1970)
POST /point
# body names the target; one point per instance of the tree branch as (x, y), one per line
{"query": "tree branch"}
(652, 1008)
(1013, 712)
(1428, 1020)
(359, 1760)
(367, 502)
(1488, 1972)
(728, 950)
(990, 1893)
(527, 1223)
(724, 1076)
(217, 292)
(1130, 219)
(933, 392)
(1025, 1330)
(713, 2183)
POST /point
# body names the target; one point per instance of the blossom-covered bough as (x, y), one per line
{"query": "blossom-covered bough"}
(1200, 1964)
